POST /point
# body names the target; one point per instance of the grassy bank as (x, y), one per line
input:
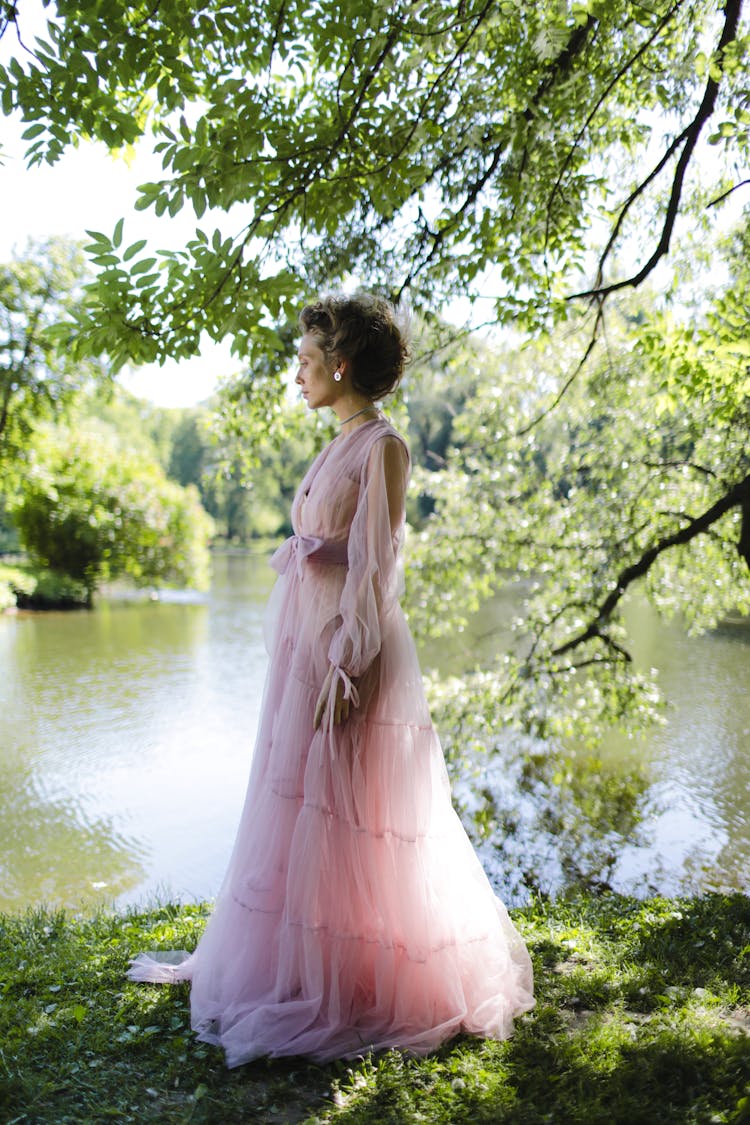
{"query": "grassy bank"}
(643, 1015)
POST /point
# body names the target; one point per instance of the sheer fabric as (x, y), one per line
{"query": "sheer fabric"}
(354, 914)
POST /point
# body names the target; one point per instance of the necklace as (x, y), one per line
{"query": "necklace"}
(362, 411)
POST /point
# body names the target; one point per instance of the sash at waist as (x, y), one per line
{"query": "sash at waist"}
(297, 548)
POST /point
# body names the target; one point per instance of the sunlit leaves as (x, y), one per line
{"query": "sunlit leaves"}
(39, 377)
(447, 150)
(647, 438)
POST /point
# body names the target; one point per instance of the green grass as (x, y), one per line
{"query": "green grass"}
(643, 1015)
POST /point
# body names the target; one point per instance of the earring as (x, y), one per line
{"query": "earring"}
(337, 376)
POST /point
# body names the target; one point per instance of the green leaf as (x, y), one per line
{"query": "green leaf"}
(133, 249)
(146, 280)
(99, 238)
(142, 266)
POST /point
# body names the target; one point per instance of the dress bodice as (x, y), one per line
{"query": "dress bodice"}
(326, 501)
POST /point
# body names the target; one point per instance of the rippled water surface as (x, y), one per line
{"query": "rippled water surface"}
(126, 736)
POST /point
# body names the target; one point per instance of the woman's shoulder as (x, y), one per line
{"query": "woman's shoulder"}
(372, 441)
(384, 431)
(388, 447)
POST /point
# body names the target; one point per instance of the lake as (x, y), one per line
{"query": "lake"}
(127, 734)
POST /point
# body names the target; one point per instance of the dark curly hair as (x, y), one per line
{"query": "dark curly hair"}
(365, 330)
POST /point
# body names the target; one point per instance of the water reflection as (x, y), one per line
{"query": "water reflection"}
(52, 849)
(701, 797)
(126, 734)
(543, 822)
(665, 812)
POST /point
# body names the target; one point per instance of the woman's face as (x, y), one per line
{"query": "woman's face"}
(315, 374)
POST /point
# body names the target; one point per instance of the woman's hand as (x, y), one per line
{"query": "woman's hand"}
(341, 705)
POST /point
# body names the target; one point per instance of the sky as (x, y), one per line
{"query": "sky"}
(89, 189)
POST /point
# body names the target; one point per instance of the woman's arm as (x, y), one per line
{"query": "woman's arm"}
(396, 475)
(383, 499)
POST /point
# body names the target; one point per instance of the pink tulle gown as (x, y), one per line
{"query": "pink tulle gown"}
(354, 914)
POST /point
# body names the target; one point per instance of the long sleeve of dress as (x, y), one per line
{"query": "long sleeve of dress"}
(374, 579)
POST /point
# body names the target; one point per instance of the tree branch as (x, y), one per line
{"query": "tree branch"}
(738, 495)
(559, 65)
(142, 22)
(275, 35)
(17, 371)
(688, 138)
(456, 57)
(634, 195)
(728, 192)
(680, 465)
(743, 543)
(571, 378)
(4, 412)
(7, 17)
(597, 106)
(439, 236)
(386, 49)
(624, 658)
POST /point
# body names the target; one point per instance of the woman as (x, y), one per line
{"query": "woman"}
(354, 914)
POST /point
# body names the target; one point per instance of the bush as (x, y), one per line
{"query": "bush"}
(93, 512)
(12, 583)
(29, 588)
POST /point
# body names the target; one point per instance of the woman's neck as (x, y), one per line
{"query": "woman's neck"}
(352, 413)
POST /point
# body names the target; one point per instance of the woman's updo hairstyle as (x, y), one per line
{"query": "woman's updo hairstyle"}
(365, 330)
